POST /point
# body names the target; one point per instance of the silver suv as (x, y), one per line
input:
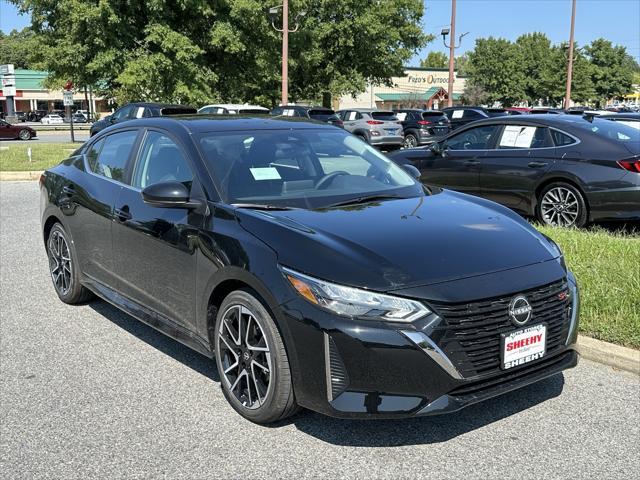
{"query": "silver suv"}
(380, 128)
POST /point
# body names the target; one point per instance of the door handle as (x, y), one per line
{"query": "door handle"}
(122, 214)
(537, 164)
(472, 163)
(68, 190)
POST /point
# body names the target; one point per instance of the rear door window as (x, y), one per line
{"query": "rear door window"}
(524, 136)
(111, 161)
(470, 115)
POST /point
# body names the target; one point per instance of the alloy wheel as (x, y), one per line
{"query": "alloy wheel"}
(60, 264)
(244, 355)
(560, 207)
(24, 135)
(410, 141)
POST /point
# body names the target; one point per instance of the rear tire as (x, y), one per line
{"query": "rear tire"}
(64, 268)
(252, 362)
(24, 134)
(363, 138)
(410, 141)
(563, 205)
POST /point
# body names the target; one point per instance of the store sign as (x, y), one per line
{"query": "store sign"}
(428, 80)
(6, 69)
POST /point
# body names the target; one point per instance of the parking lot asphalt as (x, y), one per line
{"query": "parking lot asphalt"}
(89, 392)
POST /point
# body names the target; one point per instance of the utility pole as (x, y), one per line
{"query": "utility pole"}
(452, 49)
(452, 53)
(567, 98)
(273, 13)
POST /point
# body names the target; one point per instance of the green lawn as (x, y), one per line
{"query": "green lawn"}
(607, 266)
(14, 157)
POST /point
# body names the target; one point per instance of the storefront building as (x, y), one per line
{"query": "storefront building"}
(31, 95)
(418, 88)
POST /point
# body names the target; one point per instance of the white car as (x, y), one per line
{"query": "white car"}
(51, 119)
(233, 109)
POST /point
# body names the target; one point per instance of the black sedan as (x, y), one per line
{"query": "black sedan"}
(131, 111)
(279, 249)
(564, 169)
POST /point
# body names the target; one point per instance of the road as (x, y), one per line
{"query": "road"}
(89, 392)
(52, 137)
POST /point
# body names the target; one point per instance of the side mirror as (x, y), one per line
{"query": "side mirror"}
(110, 119)
(411, 170)
(168, 195)
(435, 148)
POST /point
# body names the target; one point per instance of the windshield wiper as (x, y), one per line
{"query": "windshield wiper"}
(363, 199)
(260, 206)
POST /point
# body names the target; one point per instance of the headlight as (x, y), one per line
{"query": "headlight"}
(354, 302)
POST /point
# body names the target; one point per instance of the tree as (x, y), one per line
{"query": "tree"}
(435, 60)
(582, 88)
(495, 65)
(19, 48)
(461, 64)
(195, 51)
(614, 68)
(474, 94)
(537, 65)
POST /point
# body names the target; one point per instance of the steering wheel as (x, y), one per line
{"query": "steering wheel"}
(324, 181)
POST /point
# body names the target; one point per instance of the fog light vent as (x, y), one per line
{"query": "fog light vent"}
(337, 378)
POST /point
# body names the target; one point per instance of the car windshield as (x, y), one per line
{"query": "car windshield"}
(385, 116)
(301, 168)
(611, 130)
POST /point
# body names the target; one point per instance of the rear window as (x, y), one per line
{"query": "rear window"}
(611, 130)
(321, 111)
(386, 116)
(433, 115)
(177, 110)
(252, 111)
(497, 112)
(561, 139)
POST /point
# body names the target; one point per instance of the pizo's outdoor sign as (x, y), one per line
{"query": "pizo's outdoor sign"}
(428, 80)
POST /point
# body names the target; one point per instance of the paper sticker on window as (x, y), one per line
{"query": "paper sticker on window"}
(517, 136)
(401, 116)
(457, 114)
(265, 173)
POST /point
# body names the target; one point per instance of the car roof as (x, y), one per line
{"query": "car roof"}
(234, 106)
(199, 123)
(558, 121)
(158, 105)
(368, 110)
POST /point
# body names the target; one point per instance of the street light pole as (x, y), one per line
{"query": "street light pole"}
(567, 98)
(273, 13)
(452, 49)
(285, 52)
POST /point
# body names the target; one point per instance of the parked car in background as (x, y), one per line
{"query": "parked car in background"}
(629, 119)
(422, 126)
(321, 114)
(21, 116)
(517, 110)
(380, 128)
(22, 132)
(77, 118)
(498, 112)
(35, 115)
(140, 110)
(279, 249)
(459, 116)
(547, 111)
(51, 119)
(566, 170)
(233, 109)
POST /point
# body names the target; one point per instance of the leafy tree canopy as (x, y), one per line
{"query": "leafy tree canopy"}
(435, 60)
(195, 51)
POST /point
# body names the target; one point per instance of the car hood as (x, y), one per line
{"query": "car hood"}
(396, 244)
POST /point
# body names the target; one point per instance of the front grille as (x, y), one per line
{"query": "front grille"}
(471, 336)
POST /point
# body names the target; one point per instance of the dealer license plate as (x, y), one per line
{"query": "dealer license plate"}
(523, 346)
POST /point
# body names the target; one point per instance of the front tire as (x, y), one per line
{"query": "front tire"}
(561, 204)
(252, 362)
(63, 267)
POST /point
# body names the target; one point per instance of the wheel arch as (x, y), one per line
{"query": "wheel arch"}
(48, 225)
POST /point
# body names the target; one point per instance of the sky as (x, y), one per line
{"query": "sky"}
(615, 20)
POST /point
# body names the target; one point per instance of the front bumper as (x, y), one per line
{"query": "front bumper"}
(352, 368)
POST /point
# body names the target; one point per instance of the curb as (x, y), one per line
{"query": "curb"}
(615, 356)
(26, 175)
